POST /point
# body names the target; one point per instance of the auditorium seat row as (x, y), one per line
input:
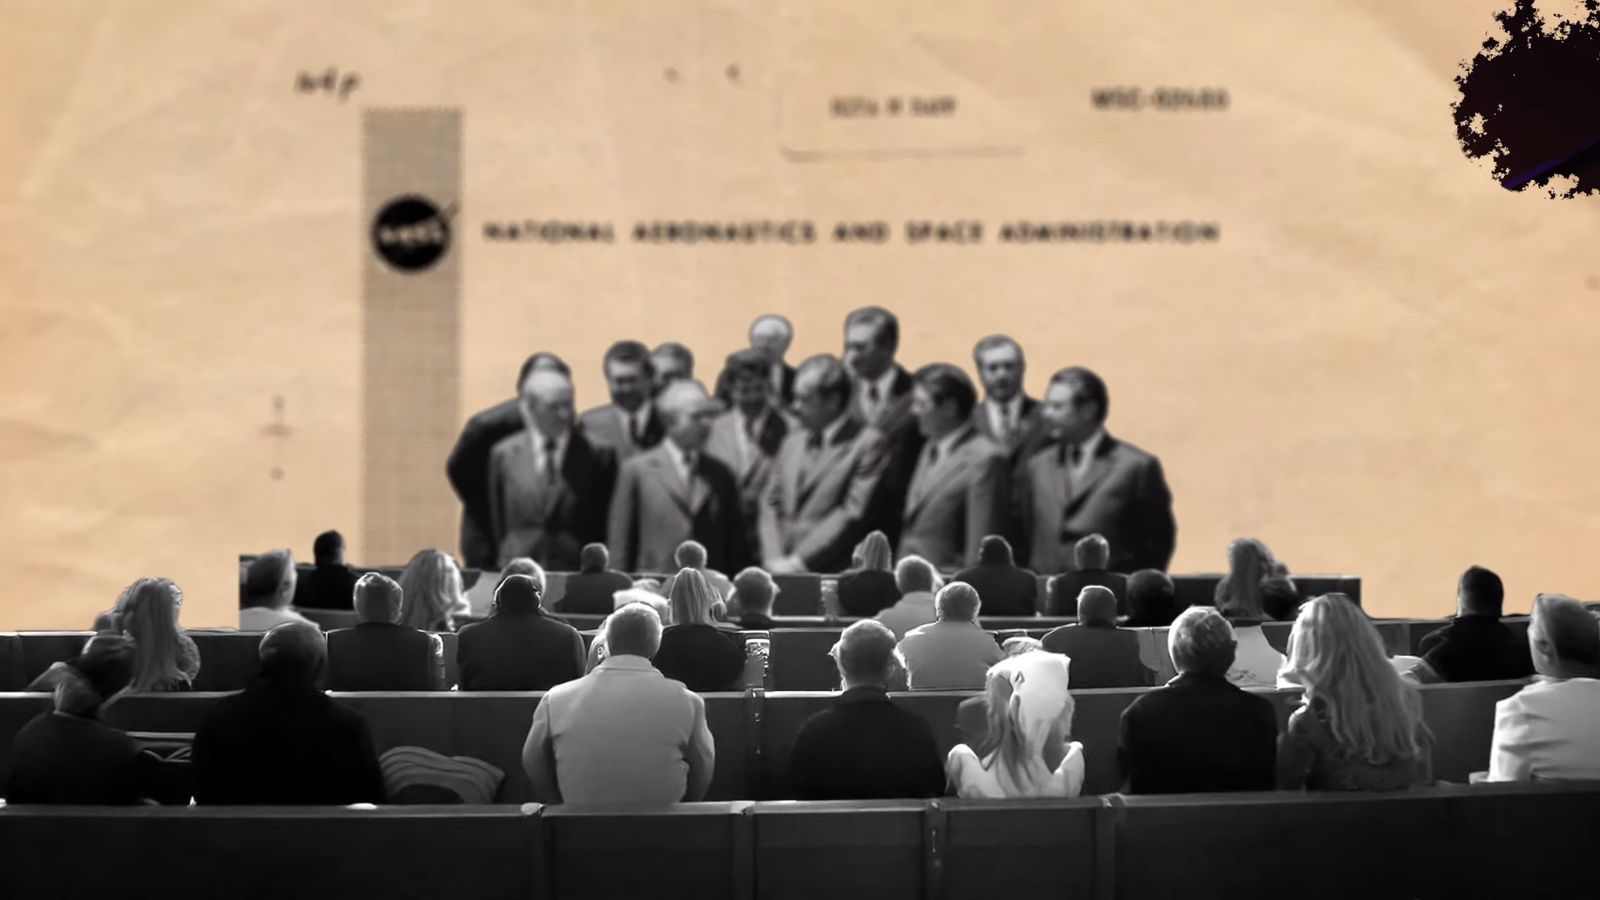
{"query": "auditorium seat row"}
(1448, 842)
(754, 731)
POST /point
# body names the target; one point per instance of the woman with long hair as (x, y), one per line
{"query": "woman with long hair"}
(433, 596)
(1360, 726)
(868, 587)
(165, 659)
(1239, 599)
(1026, 749)
(693, 649)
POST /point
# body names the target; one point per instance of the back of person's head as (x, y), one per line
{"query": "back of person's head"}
(1564, 638)
(914, 573)
(523, 565)
(1280, 599)
(378, 598)
(1097, 605)
(994, 550)
(1239, 592)
(594, 558)
(293, 655)
(1029, 705)
(755, 590)
(431, 583)
(873, 553)
(1201, 642)
(147, 611)
(693, 599)
(649, 586)
(328, 548)
(663, 610)
(957, 602)
(102, 669)
(690, 555)
(1016, 646)
(1152, 598)
(541, 360)
(634, 629)
(1480, 592)
(1336, 654)
(866, 654)
(517, 594)
(269, 580)
(1091, 552)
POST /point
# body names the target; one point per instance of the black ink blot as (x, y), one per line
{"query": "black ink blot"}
(1529, 101)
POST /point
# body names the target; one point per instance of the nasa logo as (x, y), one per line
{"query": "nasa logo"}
(410, 233)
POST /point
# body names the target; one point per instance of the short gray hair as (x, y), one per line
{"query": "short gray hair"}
(1562, 629)
(957, 602)
(1091, 552)
(1097, 603)
(1201, 642)
(378, 598)
(866, 652)
(914, 574)
(690, 555)
(523, 565)
(635, 629)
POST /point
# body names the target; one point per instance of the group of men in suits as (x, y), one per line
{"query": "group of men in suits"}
(789, 467)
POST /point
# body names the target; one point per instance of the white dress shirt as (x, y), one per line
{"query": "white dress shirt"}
(1004, 417)
(884, 383)
(1548, 731)
(553, 464)
(1086, 452)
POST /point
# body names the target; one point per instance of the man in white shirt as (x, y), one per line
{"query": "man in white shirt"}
(953, 653)
(624, 733)
(1550, 730)
(916, 580)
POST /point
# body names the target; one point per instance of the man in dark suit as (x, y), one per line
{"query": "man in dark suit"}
(590, 591)
(1103, 655)
(882, 401)
(1200, 733)
(468, 466)
(826, 474)
(865, 747)
(331, 584)
(671, 362)
(1090, 555)
(1088, 482)
(675, 492)
(628, 424)
(283, 740)
(1476, 645)
(1007, 415)
(754, 592)
(518, 648)
(747, 436)
(1006, 589)
(549, 487)
(957, 489)
(770, 337)
(379, 654)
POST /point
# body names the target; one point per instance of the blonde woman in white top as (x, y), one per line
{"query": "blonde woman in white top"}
(1026, 750)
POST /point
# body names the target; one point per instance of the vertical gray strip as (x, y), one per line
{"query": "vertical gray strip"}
(410, 334)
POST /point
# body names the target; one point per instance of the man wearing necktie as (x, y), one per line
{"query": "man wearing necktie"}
(957, 491)
(882, 401)
(770, 337)
(676, 492)
(1007, 415)
(747, 437)
(629, 423)
(549, 486)
(826, 472)
(1084, 481)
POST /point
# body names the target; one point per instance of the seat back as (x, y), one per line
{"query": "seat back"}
(840, 849)
(1461, 717)
(699, 850)
(1019, 848)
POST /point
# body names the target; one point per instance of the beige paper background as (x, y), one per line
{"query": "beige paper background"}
(1385, 367)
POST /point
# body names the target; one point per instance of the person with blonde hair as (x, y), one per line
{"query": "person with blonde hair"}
(1239, 599)
(868, 587)
(432, 593)
(693, 649)
(953, 653)
(1027, 750)
(165, 658)
(1360, 726)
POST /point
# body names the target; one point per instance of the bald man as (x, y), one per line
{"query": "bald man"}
(770, 337)
(549, 485)
(675, 492)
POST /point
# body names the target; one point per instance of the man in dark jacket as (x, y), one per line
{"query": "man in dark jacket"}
(1006, 589)
(283, 740)
(592, 589)
(1103, 655)
(380, 654)
(331, 585)
(1477, 646)
(518, 648)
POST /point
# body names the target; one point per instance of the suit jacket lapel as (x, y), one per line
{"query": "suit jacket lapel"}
(1094, 473)
(826, 458)
(660, 459)
(948, 466)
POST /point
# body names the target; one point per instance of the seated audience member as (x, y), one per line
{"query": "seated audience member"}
(1280, 599)
(1476, 645)
(591, 590)
(527, 566)
(693, 649)
(1200, 733)
(283, 740)
(1550, 730)
(864, 747)
(1249, 563)
(1255, 662)
(519, 647)
(379, 654)
(972, 714)
(754, 592)
(1152, 599)
(266, 592)
(1103, 655)
(953, 653)
(164, 657)
(434, 598)
(869, 585)
(692, 555)
(1359, 727)
(916, 580)
(1027, 749)
(1006, 588)
(1090, 556)
(624, 733)
(69, 756)
(332, 584)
